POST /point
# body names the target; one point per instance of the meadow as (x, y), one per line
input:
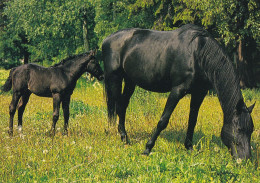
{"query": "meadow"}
(93, 151)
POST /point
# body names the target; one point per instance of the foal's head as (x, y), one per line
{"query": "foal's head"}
(236, 134)
(93, 67)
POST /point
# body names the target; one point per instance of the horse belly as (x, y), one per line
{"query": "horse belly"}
(150, 79)
(39, 86)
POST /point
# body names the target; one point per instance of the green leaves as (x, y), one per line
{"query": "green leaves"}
(51, 27)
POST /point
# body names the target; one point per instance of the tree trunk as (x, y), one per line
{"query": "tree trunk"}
(24, 49)
(244, 65)
(85, 35)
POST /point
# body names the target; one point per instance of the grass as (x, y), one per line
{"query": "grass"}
(93, 152)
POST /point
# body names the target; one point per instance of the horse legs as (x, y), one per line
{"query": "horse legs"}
(121, 108)
(66, 113)
(12, 109)
(196, 101)
(56, 110)
(21, 106)
(176, 94)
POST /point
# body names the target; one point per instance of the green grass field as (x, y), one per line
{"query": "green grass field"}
(93, 151)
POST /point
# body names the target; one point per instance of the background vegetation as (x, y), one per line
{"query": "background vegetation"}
(49, 30)
(93, 152)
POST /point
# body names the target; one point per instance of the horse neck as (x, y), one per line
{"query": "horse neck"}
(75, 68)
(228, 90)
(220, 72)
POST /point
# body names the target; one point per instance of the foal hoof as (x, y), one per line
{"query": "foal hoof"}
(125, 139)
(146, 152)
(10, 132)
(20, 129)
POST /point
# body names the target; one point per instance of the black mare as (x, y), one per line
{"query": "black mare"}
(186, 60)
(57, 81)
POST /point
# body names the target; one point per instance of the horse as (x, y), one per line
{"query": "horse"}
(187, 60)
(57, 81)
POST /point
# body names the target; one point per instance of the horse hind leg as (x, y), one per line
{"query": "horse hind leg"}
(66, 113)
(12, 109)
(21, 107)
(121, 109)
(196, 101)
(56, 111)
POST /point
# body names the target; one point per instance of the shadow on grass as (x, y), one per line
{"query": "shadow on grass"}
(176, 136)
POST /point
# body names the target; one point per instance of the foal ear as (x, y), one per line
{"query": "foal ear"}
(250, 109)
(96, 50)
(92, 53)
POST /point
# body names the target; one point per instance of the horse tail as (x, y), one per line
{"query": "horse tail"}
(110, 100)
(8, 83)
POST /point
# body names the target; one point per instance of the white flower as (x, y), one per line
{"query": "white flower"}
(239, 160)
(45, 151)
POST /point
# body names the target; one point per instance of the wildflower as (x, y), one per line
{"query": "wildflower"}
(239, 160)
(88, 147)
(45, 151)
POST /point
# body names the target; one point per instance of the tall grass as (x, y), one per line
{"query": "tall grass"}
(93, 153)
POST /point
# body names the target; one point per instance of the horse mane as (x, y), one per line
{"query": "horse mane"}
(194, 30)
(221, 73)
(70, 58)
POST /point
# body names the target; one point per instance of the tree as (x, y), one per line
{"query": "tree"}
(234, 23)
(47, 29)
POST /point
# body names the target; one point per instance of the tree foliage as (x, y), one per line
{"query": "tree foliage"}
(47, 28)
(53, 29)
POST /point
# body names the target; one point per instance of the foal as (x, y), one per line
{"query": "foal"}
(57, 81)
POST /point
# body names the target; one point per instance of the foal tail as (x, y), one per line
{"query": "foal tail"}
(8, 83)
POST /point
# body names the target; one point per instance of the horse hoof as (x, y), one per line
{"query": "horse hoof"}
(65, 133)
(51, 133)
(189, 148)
(146, 152)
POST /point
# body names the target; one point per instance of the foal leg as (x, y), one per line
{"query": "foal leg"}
(56, 110)
(196, 101)
(121, 108)
(21, 106)
(176, 94)
(66, 113)
(12, 109)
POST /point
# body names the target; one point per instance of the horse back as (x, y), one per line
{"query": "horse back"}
(154, 60)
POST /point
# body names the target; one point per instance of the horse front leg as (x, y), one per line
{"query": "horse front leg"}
(176, 94)
(12, 109)
(66, 113)
(121, 109)
(56, 110)
(196, 101)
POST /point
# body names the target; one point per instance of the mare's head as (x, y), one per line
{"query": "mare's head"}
(236, 134)
(93, 67)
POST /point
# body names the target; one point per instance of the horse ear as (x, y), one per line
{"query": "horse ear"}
(240, 106)
(250, 109)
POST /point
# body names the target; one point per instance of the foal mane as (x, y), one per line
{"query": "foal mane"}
(70, 58)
